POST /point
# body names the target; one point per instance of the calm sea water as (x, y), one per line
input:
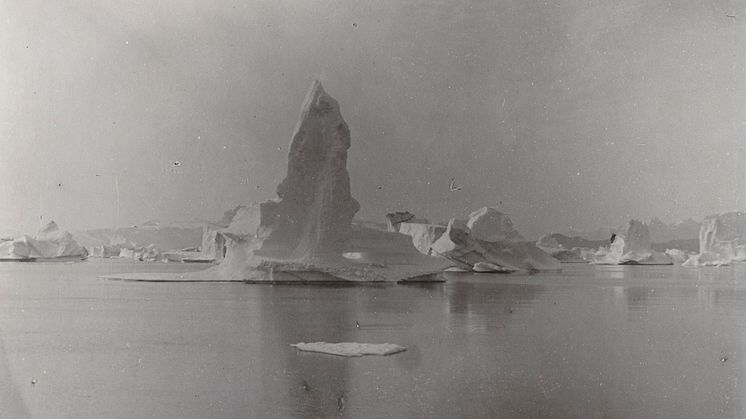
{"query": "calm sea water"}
(616, 342)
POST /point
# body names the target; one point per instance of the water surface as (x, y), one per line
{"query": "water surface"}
(617, 342)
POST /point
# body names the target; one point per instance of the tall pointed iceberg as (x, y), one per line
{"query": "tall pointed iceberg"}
(312, 219)
(307, 234)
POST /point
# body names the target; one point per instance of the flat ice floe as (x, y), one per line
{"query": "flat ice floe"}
(350, 348)
(168, 277)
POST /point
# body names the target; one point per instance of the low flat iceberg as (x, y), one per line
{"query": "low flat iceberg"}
(484, 267)
(350, 348)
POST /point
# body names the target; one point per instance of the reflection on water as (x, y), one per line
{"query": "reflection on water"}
(310, 385)
(589, 342)
(11, 403)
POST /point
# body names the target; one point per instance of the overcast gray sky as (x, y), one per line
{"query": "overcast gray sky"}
(562, 113)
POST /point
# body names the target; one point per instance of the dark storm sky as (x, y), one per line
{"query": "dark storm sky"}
(562, 113)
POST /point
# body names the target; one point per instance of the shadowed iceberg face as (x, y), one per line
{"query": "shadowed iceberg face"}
(313, 216)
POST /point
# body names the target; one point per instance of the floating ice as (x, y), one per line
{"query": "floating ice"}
(549, 244)
(350, 348)
(172, 240)
(508, 250)
(722, 240)
(631, 248)
(304, 234)
(370, 256)
(49, 243)
(312, 217)
(240, 221)
(423, 235)
(484, 267)
(490, 225)
(677, 255)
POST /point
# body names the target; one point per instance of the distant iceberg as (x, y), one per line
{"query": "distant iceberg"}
(307, 234)
(549, 244)
(631, 248)
(489, 239)
(490, 225)
(240, 221)
(150, 253)
(677, 255)
(660, 232)
(109, 241)
(423, 234)
(722, 240)
(50, 243)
